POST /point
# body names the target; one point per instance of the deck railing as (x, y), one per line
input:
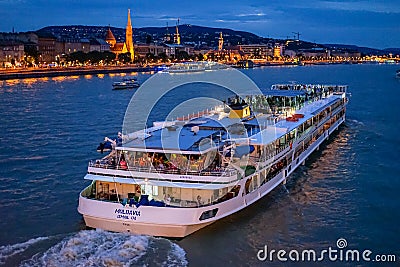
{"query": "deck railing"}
(224, 172)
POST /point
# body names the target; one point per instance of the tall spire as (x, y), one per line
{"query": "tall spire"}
(167, 37)
(129, 36)
(177, 37)
(129, 23)
(220, 41)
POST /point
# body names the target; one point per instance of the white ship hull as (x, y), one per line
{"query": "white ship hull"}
(180, 222)
(153, 229)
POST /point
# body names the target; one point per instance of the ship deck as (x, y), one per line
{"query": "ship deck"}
(261, 128)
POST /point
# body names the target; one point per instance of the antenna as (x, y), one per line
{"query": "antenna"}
(298, 35)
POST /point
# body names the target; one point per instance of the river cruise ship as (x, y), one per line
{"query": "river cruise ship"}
(179, 176)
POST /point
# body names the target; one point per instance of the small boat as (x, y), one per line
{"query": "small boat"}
(126, 83)
(190, 67)
(187, 67)
(160, 68)
(244, 64)
(397, 73)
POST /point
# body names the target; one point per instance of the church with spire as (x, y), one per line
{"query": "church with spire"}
(128, 45)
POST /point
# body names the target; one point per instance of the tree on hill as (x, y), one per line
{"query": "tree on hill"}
(78, 56)
(93, 57)
(182, 55)
(109, 56)
(148, 39)
(163, 56)
(125, 57)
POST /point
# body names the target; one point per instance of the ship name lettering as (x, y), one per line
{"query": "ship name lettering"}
(122, 212)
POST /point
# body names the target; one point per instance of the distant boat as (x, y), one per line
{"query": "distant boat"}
(244, 64)
(187, 67)
(160, 68)
(397, 73)
(126, 83)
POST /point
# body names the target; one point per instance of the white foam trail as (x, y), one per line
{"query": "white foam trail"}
(176, 257)
(102, 248)
(356, 122)
(8, 251)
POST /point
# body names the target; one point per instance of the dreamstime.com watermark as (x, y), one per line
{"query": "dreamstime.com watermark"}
(335, 254)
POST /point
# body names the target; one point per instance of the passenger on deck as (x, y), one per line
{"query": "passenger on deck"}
(167, 198)
(123, 164)
(112, 161)
(199, 202)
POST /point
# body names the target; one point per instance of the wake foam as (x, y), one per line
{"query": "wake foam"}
(356, 122)
(102, 248)
(9, 251)
(176, 256)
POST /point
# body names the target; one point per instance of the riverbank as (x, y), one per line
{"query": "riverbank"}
(24, 73)
(8, 74)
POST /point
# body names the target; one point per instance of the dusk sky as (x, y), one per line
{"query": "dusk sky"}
(365, 23)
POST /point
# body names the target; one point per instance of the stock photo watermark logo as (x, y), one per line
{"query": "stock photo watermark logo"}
(338, 253)
(178, 127)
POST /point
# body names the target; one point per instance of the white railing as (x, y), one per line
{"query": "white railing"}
(224, 172)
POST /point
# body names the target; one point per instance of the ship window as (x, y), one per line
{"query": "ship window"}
(147, 189)
(208, 214)
(155, 190)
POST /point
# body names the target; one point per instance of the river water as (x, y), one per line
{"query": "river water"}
(348, 189)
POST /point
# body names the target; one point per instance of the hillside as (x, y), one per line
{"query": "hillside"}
(197, 35)
(189, 34)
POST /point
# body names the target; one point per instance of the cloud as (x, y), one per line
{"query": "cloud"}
(361, 6)
(166, 18)
(227, 20)
(259, 14)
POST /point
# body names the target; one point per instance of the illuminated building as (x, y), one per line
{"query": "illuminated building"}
(278, 50)
(127, 46)
(11, 52)
(256, 50)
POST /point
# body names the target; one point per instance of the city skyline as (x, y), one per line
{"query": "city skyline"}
(363, 23)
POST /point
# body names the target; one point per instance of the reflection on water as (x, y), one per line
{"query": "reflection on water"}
(30, 82)
(301, 214)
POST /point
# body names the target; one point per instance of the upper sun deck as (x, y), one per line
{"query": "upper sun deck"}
(208, 130)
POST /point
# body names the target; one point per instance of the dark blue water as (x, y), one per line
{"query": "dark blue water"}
(49, 129)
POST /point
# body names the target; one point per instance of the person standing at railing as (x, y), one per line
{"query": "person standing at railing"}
(122, 163)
